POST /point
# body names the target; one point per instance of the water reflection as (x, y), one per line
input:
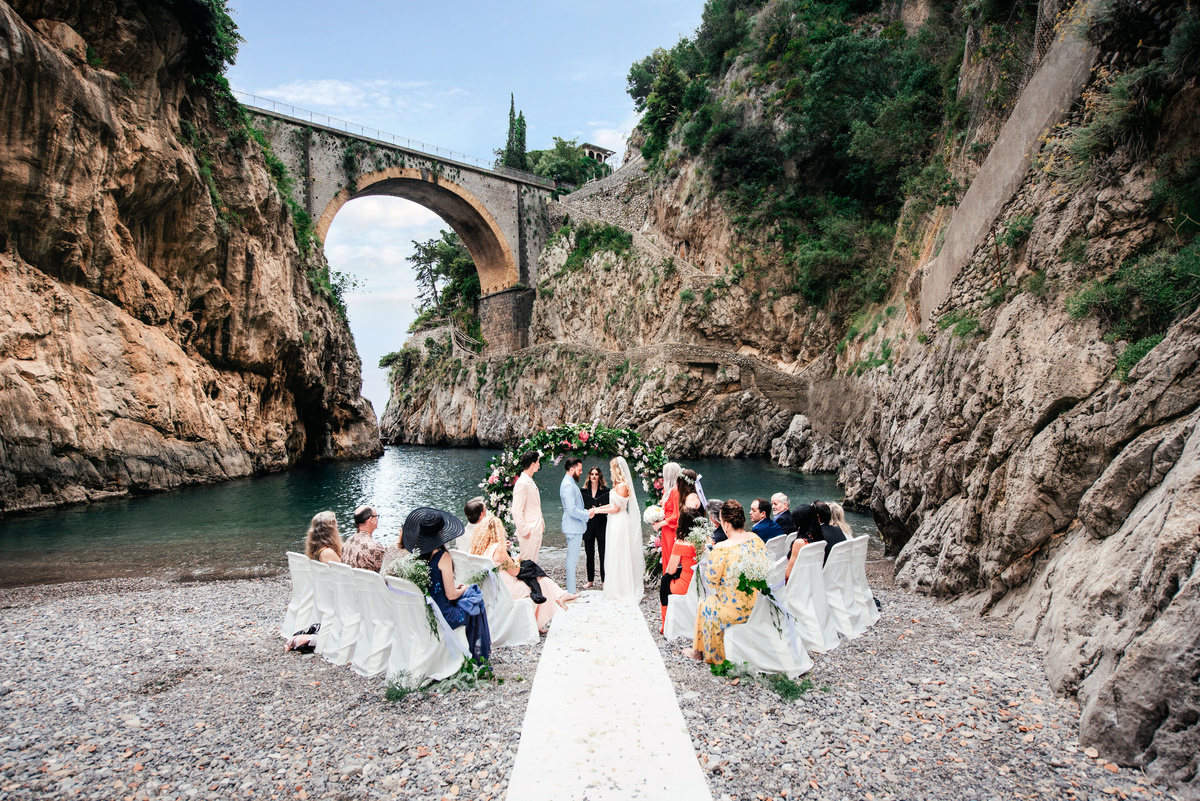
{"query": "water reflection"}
(243, 528)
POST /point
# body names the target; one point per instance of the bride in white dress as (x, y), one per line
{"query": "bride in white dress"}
(623, 559)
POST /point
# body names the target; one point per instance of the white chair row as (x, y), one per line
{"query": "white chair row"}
(824, 601)
(379, 624)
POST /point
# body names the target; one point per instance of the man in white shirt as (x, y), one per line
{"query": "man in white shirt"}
(527, 508)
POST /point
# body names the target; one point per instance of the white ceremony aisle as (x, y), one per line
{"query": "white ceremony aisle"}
(602, 721)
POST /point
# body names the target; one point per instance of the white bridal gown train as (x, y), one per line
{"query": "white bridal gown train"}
(623, 560)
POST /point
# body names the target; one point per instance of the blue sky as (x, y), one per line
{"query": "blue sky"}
(442, 73)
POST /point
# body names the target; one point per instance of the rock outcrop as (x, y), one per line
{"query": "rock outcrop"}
(157, 327)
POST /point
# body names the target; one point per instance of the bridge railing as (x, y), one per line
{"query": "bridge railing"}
(255, 102)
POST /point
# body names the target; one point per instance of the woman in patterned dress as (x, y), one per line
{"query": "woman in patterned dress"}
(725, 606)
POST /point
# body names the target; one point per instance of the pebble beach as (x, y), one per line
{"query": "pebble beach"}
(139, 689)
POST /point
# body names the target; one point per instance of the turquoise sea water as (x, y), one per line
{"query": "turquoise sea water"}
(243, 528)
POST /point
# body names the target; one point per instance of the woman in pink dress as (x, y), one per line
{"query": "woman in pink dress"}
(491, 540)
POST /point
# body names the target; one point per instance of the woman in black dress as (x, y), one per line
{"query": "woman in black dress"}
(595, 493)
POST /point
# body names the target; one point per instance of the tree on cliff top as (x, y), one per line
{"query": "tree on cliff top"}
(513, 154)
(447, 283)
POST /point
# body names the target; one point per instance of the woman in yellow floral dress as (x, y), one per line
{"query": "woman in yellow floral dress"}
(725, 606)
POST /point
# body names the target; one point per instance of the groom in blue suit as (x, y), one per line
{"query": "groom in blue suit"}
(575, 517)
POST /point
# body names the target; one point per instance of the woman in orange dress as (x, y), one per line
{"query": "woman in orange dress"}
(677, 577)
(670, 509)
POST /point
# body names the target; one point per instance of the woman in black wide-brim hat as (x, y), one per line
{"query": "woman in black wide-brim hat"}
(426, 532)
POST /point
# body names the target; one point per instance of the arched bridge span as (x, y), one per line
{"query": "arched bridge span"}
(500, 216)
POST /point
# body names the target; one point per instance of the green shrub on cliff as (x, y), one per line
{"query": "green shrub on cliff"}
(448, 283)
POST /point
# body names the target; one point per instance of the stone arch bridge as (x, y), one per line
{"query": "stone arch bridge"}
(500, 214)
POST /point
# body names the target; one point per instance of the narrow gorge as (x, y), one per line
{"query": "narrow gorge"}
(162, 321)
(998, 358)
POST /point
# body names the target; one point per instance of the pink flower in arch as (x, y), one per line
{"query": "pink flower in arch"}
(584, 436)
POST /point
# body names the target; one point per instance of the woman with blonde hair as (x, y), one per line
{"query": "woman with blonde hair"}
(624, 563)
(837, 517)
(323, 543)
(491, 540)
(670, 508)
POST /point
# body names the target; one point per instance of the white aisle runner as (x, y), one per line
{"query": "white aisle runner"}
(602, 721)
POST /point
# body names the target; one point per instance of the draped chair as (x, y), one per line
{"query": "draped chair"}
(768, 641)
(300, 613)
(806, 600)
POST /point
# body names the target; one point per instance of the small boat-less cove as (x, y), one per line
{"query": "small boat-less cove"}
(242, 528)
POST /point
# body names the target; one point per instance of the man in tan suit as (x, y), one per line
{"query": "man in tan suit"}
(527, 508)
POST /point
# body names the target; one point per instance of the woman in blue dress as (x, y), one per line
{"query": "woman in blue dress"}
(426, 531)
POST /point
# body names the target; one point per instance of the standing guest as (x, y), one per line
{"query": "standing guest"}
(677, 577)
(426, 532)
(491, 540)
(361, 550)
(714, 516)
(527, 508)
(831, 534)
(475, 511)
(837, 517)
(725, 606)
(670, 509)
(783, 516)
(764, 526)
(575, 517)
(323, 543)
(595, 493)
(685, 488)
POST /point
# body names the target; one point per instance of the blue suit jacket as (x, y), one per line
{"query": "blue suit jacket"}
(767, 529)
(575, 517)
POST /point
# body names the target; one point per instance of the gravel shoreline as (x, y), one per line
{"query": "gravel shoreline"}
(140, 688)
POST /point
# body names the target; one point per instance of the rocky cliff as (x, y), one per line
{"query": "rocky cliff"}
(157, 325)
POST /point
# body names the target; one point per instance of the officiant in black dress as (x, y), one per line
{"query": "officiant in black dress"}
(595, 493)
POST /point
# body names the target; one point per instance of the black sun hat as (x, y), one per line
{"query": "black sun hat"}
(427, 529)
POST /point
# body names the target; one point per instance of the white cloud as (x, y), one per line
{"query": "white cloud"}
(614, 137)
(330, 93)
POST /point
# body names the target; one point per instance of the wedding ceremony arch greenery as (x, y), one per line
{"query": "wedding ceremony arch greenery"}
(584, 441)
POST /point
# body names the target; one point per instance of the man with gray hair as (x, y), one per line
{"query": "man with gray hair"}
(783, 517)
(361, 550)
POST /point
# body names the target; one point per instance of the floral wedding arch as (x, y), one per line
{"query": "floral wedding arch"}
(584, 441)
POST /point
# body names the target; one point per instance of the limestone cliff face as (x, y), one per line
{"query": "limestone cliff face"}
(148, 339)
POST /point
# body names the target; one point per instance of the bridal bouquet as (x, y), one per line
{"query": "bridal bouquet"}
(410, 568)
(652, 515)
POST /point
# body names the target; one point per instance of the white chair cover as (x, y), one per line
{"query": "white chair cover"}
(862, 590)
(325, 604)
(839, 590)
(300, 613)
(511, 621)
(349, 612)
(790, 539)
(764, 647)
(777, 547)
(682, 609)
(778, 574)
(806, 600)
(415, 649)
(378, 626)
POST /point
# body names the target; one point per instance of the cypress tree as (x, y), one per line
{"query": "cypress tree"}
(514, 149)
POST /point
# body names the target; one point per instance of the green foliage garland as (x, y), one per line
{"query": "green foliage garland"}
(573, 439)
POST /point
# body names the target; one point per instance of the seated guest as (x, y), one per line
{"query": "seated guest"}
(491, 540)
(764, 526)
(831, 534)
(426, 532)
(725, 606)
(714, 516)
(323, 542)
(837, 517)
(677, 576)
(783, 516)
(361, 550)
(804, 518)
(475, 510)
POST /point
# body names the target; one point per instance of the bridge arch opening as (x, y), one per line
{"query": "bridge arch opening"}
(480, 232)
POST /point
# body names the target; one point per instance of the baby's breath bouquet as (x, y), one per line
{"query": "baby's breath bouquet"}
(699, 536)
(652, 515)
(754, 569)
(480, 576)
(410, 568)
